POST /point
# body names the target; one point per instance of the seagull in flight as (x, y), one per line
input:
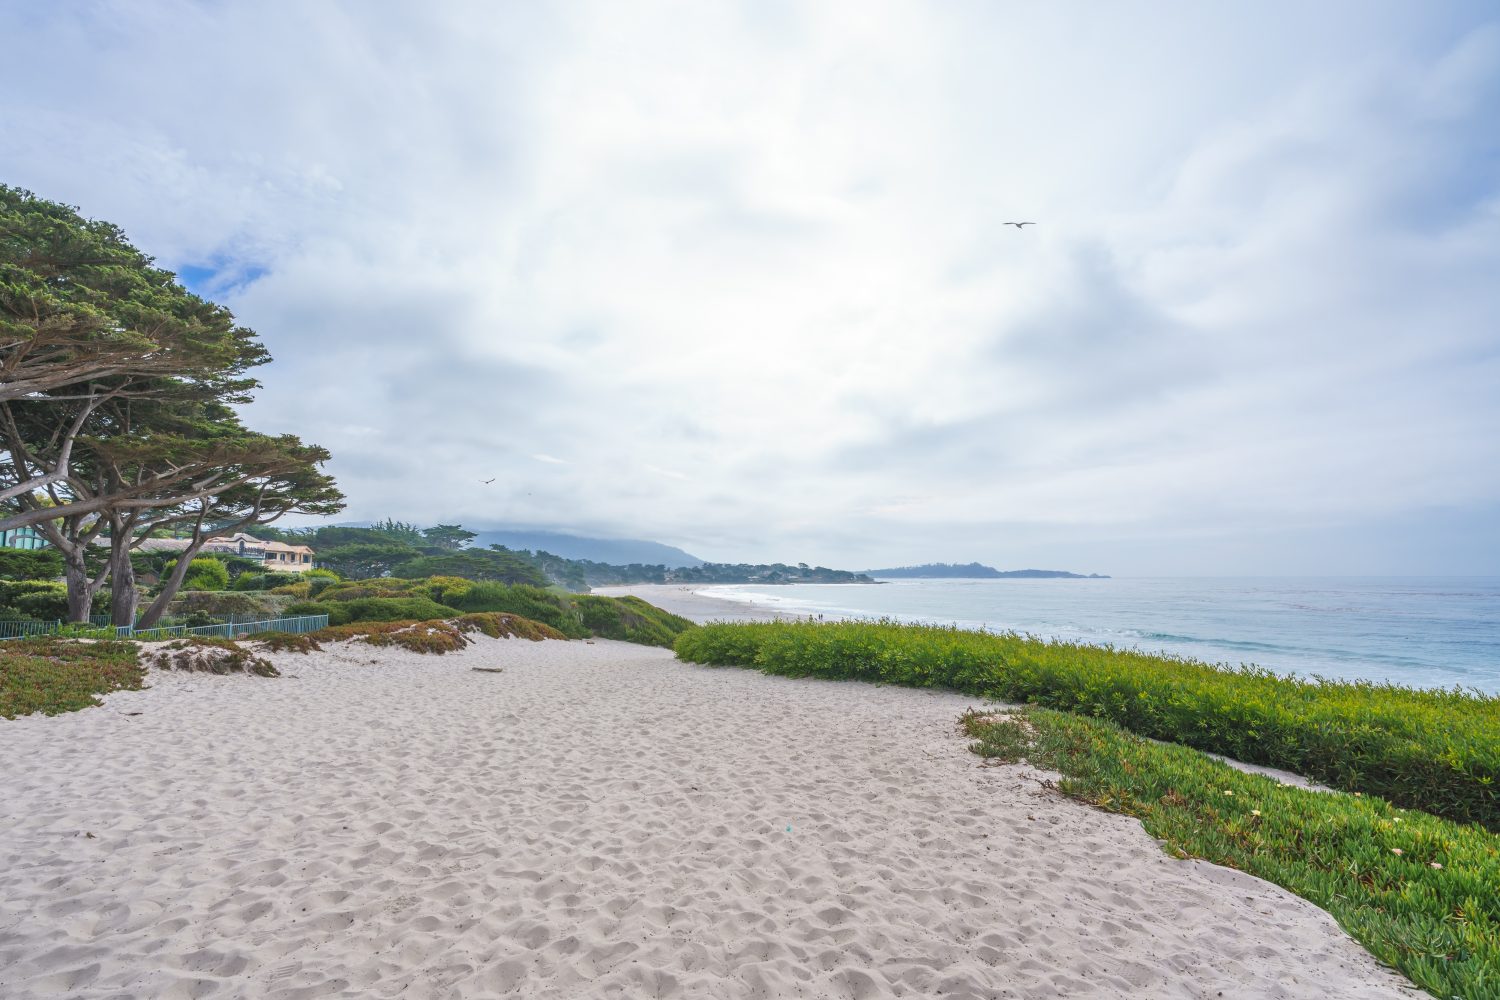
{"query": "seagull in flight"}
(1018, 225)
(488, 481)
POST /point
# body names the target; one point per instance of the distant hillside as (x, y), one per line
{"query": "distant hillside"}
(615, 551)
(975, 571)
(581, 574)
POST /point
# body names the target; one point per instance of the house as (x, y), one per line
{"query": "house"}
(277, 556)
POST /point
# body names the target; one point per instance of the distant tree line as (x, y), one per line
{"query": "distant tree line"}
(393, 548)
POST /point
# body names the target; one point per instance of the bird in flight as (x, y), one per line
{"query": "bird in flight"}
(1018, 225)
(488, 481)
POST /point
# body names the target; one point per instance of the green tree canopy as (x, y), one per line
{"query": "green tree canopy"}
(118, 390)
(86, 318)
(365, 560)
(497, 567)
(448, 536)
(398, 531)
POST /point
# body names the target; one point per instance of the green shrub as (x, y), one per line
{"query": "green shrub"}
(575, 616)
(238, 566)
(375, 609)
(359, 590)
(30, 564)
(448, 590)
(35, 599)
(529, 602)
(319, 580)
(630, 619)
(302, 590)
(203, 573)
(258, 581)
(223, 603)
(1432, 750)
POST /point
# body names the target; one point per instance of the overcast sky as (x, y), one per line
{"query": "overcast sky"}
(734, 276)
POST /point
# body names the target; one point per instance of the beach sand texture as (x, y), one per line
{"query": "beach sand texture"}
(598, 820)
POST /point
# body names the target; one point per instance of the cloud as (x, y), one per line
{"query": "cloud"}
(742, 265)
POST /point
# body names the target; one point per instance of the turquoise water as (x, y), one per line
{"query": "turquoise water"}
(1419, 631)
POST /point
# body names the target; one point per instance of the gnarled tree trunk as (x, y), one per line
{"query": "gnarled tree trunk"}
(122, 594)
(81, 587)
(172, 584)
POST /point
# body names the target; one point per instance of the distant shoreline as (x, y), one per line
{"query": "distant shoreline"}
(683, 599)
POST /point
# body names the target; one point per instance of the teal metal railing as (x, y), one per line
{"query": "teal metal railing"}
(227, 630)
(22, 629)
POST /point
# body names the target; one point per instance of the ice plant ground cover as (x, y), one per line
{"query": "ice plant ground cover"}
(53, 675)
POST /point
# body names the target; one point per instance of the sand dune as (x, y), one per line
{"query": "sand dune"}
(597, 820)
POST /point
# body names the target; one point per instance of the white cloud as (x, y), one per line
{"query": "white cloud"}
(742, 264)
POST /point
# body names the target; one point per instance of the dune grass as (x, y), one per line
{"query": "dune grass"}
(52, 675)
(436, 636)
(1418, 891)
(1433, 750)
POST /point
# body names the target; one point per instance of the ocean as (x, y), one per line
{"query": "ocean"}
(1418, 631)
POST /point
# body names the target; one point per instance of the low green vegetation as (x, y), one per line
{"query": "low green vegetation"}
(537, 603)
(204, 574)
(58, 673)
(375, 609)
(52, 675)
(575, 616)
(220, 605)
(630, 619)
(1433, 750)
(1418, 891)
(259, 581)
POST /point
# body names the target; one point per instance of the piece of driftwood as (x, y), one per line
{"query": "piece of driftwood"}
(489, 670)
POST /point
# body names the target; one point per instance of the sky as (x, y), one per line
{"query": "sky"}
(735, 276)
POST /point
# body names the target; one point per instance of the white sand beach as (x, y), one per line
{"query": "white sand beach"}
(692, 603)
(597, 820)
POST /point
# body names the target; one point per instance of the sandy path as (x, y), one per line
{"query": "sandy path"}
(597, 820)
